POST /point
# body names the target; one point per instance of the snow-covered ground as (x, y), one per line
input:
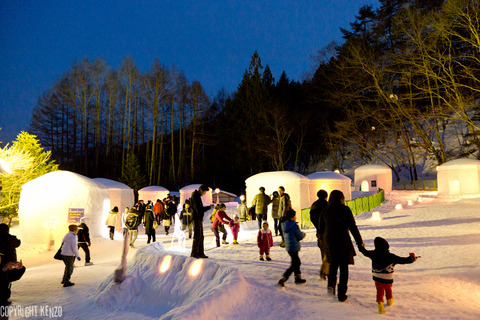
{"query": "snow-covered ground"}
(233, 284)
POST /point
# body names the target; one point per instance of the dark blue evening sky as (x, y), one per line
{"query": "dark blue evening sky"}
(211, 41)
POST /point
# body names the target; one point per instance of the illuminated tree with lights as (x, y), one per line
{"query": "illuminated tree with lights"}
(27, 160)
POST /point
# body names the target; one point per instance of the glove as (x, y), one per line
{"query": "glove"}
(89, 244)
(79, 259)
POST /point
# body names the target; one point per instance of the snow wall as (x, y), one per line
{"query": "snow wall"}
(295, 184)
(121, 196)
(165, 286)
(186, 193)
(58, 199)
(329, 181)
(152, 193)
(370, 177)
(459, 178)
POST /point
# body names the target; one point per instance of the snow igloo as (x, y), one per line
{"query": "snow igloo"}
(460, 177)
(329, 181)
(371, 177)
(186, 193)
(152, 193)
(121, 196)
(295, 184)
(48, 204)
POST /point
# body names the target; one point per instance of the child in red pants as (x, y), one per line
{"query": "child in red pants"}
(383, 263)
(264, 241)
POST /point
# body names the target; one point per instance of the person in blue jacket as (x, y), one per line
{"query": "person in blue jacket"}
(292, 236)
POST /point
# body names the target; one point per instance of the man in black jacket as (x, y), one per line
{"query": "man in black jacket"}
(84, 239)
(198, 212)
(315, 211)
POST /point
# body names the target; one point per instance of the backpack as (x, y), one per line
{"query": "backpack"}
(131, 221)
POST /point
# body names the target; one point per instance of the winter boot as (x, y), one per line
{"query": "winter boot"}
(282, 244)
(111, 235)
(235, 241)
(268, 258)
(261, 258)
(390, 302)
(331, 291)
(381, 309)
(224, 242)
(299, 280)
(282, 281)
(342, 293)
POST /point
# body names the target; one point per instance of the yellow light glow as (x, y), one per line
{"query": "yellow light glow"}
(195, 268)
(337, 171)
(410, 202)
(217, 190)
(398, 206)
(325, 187)
(242, 197)
(4, 167)
(419, 199)
(51, 222)
(165, 265)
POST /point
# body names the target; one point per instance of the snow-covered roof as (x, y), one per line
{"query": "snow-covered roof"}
(153, 189)
(112, 184)
(459, 163)
(224, 192)
(276, 175)
(191, 187)
(374, 167)
(330, 175)
(59, 178)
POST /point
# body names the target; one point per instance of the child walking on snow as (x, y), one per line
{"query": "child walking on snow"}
(292, 236)
(235, 227)
(264, 241)
(383, 263)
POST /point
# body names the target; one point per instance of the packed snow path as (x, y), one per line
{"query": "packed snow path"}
(443, 284)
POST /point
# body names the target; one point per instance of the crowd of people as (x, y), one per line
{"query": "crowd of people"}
(332, 219)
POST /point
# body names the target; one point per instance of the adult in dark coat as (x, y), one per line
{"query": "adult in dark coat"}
(198, 212)
(149, 219)
(315, 211)
(8, 245)
(336, 221)
(83, 236)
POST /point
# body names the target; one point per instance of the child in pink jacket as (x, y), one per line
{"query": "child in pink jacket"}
(235, 227)
(264, 241)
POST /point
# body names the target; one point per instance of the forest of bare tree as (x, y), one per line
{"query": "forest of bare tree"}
(405, 78)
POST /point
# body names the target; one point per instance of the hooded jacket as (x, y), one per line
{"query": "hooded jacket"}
(292, 236)
(383, 262)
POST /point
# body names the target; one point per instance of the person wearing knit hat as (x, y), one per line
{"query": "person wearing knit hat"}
(383, 264)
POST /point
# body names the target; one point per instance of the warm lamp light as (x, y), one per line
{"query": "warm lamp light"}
(4, 167)
(419, 199)
(376, 216)
(217, 191)
(242, 197)
(165, 265)
(410, 202)
(337, 171)
(398, 206)
(195, 268)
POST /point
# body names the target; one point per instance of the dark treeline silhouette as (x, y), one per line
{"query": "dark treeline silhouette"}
(406, 77)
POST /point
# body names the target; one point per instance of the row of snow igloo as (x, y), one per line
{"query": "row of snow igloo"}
(303, 190)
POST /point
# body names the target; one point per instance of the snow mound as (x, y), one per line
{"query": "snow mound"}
(173, 293)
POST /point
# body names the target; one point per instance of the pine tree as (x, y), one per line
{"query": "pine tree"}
(27, 160)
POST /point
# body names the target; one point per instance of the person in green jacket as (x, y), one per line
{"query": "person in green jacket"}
(261, 201)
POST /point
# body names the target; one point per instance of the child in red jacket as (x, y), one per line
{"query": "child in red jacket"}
(235, 227)
(264, 241)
